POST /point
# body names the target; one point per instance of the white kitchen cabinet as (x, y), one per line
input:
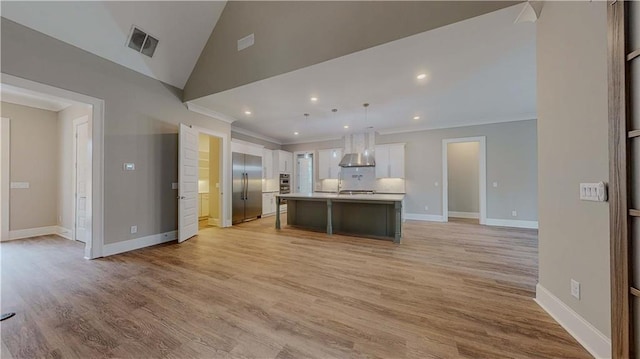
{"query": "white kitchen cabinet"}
(390, 160)
(204, 205)
(267, 164)
(329, 163)
(284, 160)
(268, 203)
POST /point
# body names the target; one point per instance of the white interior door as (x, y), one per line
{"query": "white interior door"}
(81, 229)
(4, 179)
(187, 183)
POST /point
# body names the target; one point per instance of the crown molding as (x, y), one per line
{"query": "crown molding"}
(209, 113)
(391, 131)
(312, 140)
(255, 135)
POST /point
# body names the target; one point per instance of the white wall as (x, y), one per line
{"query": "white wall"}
(463, 170)
(573, 148)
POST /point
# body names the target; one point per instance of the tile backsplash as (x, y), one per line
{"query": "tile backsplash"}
(358, 178)
(362, 178)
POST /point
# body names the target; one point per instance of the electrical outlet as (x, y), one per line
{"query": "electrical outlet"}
(436, 184)
(575, 289)
(426, 208)
(514, 213)
(174, 185)
(495, 184)
(134, 229)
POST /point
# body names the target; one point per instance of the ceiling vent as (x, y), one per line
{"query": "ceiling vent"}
(142, 42)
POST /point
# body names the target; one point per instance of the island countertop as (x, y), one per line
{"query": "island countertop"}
(364, 215)
(344, 197)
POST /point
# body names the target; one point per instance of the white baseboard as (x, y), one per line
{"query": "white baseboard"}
(512, 223)
(137, 243)
(472, 215)
(586, 334)
(64, 232)
(32, 232)
(423, 217)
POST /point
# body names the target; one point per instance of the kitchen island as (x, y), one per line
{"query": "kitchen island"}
(366, 215)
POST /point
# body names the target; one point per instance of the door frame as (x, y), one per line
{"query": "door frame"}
(482, 175)
(94, 247)
(294, 184)
(225, 174)
(74, 174)
(5, 178)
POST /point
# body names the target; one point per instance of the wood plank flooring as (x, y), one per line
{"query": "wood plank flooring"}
(455, 290)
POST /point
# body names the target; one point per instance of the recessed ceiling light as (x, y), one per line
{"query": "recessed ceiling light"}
(314, 99)
(247, 112)
(421, 76)
(416, 117)
(296, 133)
(346, 126)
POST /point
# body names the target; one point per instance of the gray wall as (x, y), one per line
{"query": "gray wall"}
(290, 35)
(573, 148)
(463, 170)
(34, 159)
(141, 125)
(511, 161)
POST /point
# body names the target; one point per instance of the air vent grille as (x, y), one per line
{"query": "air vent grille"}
(142, 42)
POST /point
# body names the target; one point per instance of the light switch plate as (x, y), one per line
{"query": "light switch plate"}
(174, 185)
(129, 166)
(593, 192)
(134, 229)
(19, 185)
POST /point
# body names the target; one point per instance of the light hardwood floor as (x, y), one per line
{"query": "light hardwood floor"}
(455, 290)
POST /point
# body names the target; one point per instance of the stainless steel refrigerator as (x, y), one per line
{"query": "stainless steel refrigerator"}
(247, 187)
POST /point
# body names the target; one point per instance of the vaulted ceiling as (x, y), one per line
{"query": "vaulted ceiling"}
(102, 28)
(481, 70)
(479, 65)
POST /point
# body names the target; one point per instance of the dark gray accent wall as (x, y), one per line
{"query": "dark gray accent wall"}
(291, 35)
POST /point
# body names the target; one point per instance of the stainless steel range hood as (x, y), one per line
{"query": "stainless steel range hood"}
(358, 160)
(359, 150)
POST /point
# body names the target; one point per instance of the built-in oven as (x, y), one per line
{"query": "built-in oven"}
(285, 185)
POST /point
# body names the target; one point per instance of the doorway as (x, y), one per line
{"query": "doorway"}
(304, 172)
(209, 169)
(37, 107)
(464, 189)
(189, 180)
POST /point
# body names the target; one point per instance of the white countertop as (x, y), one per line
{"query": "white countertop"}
(358, 197)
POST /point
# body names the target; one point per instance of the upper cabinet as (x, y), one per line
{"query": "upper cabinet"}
(267, 164)
(390, 160)
(284, 160)
(329, 163)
